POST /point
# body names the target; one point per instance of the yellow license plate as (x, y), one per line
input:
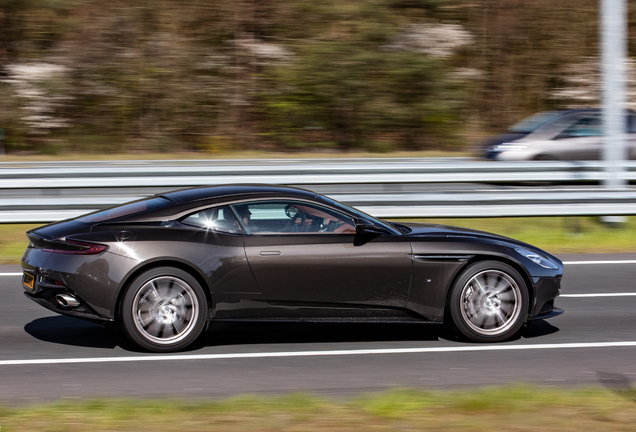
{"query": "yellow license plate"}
(27, 280)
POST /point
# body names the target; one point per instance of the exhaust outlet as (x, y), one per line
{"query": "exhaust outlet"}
(67, 301)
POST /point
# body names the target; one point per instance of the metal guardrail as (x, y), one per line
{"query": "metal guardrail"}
(306, 172)
(45, 191)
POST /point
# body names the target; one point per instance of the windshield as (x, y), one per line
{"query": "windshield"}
(534, 122)
(126, 209)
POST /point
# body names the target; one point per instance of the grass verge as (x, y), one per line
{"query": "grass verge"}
(518, 408)
(13, 242)
(557, 235)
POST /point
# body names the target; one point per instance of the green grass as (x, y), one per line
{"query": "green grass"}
(557, 235)
(13, 242)
(510, 408)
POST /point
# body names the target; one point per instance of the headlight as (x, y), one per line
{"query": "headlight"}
(538, 259)
(511, 146)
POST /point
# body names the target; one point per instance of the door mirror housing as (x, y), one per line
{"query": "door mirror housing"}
(365, 226)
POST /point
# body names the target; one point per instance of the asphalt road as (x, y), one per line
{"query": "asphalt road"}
(46, 356)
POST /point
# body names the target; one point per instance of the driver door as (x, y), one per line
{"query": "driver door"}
(304, 254)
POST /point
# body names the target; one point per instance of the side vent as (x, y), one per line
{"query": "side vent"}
(428, 257)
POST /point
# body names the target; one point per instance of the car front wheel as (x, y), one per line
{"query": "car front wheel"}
(489, 302)
(164, 309)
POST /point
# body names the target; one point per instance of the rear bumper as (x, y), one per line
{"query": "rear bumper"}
(47, 299)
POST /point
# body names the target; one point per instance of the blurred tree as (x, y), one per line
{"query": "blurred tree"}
(364, 76)
(378, 74)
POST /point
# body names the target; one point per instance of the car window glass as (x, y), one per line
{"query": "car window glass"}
(126, 209)
(358, 213)
(292, 217)
(534, 122)
(220, 219)
(584, 126)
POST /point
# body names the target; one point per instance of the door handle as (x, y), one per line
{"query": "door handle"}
(270, 253)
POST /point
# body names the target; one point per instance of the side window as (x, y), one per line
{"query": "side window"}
(293, 217)
(220, 219)
(585, 126)
(631, 124)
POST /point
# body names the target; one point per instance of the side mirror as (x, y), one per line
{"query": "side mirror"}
(365, 226)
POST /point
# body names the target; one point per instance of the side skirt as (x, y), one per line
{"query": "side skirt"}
(361, 320)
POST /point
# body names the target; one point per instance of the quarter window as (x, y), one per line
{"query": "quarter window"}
(220, 219)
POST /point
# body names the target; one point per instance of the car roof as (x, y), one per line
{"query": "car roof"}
(585, 111)
(236, 191)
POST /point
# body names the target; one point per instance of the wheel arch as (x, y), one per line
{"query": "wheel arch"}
(523, 272)
(188, 268)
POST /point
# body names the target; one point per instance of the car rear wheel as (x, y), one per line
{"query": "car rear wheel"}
(164, 309)
(489, 302)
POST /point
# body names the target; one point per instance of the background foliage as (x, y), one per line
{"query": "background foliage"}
(88, 75)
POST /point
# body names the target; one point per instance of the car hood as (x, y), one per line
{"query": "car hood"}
(502, 138)
(419, 230)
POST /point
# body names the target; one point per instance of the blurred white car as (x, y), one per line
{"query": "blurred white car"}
(557, 135)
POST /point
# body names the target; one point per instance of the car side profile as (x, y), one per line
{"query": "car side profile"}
(557, 135)
(163, 268)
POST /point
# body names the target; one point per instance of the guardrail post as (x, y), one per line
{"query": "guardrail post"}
(613, 30)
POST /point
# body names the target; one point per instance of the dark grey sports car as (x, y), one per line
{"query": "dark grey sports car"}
(163, 268)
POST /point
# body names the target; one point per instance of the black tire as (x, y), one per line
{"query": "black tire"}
(489, 302)
(164, 309)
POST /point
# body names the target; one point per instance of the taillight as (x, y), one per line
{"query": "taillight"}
(83, 248)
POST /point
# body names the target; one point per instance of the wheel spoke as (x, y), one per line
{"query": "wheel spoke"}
(145, 319)
(153, 291)
(178, 326)
(490, 302)
(479, 286)
(499, 318)
(502, 285)
(165, 310)
(153, 327)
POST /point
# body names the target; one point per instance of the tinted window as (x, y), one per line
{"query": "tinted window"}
(218, 219)
(292, 217)
(631, 124)
(584, 126)
(126, 209)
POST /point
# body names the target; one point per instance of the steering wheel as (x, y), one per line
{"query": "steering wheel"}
(291, 211)
(292, 226)
(303, 218)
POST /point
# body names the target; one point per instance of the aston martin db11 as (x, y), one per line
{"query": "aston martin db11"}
(163, 268)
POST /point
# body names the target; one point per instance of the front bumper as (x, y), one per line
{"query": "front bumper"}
(547, 289)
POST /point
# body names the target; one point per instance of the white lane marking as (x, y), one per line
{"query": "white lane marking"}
(600, 262)
(10, 274)
(630, 294)
(182, 357)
